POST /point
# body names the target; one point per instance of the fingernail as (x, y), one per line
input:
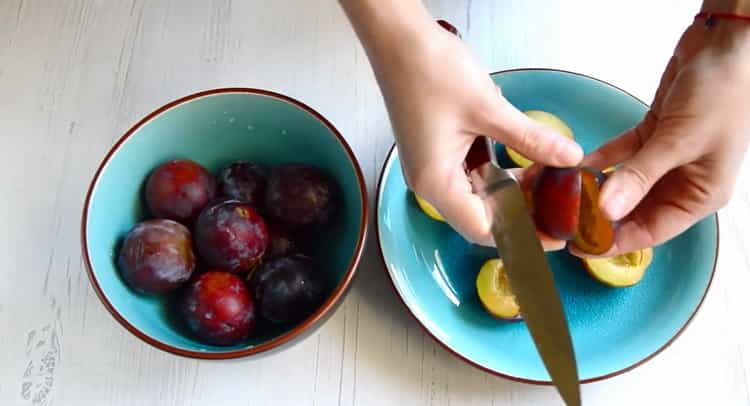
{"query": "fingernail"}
(574, 150)
(569, 149)
(613, 202)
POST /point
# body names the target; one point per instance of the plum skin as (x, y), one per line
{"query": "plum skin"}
(231, 235)
(218, 308)
(281, 242)
(156, 256)
(287, 289)
(244, 181)
(556, 199)
(301, 196)
(178, 190)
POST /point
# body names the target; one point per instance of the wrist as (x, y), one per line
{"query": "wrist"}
(725, 31)
(741, 7)
(387, 27)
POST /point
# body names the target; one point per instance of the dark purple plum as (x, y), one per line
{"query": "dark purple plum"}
(244, 181)
(231, 236)
(156, 256)
(282, 241)
(300, 195)
(178, 190)
(218, 308)
(287, 289)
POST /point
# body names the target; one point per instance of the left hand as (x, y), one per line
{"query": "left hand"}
(679, 164)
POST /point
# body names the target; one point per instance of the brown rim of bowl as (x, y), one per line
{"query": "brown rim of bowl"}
(507, 376)
(301, 327)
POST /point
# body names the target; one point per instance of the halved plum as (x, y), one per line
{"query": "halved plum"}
(428, 208)
(595, 233)
(556, 197)
(565, 206)
(622, 270)
(493, 289)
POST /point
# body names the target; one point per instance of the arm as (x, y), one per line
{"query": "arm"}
(727, 6)
(680, 163)
(439, 100)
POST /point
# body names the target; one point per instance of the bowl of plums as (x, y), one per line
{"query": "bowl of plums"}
(622, 310)
(225, 224)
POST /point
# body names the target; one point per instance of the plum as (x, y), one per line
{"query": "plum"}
(282, 241)
(287, 289)
(595, 233)
(156, 256)
(557, 201)
(300, 196)
(493, 289)
(231, 235)
(622, 270)
(217, 307)
(178, 190)
(244, 181)
(428, 209)
(565, 206)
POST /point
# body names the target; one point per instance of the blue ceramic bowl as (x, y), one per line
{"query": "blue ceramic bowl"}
(214, 128)
(433, 269)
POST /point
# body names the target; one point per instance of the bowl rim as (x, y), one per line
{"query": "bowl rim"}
(491, 371)
(313, 320)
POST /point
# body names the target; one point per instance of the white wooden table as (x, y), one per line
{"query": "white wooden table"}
(75, 74)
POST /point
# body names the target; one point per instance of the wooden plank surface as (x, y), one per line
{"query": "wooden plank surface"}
(75, 74)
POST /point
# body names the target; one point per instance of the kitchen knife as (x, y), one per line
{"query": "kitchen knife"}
(523, 257)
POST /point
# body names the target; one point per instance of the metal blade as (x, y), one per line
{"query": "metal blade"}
(529, 275)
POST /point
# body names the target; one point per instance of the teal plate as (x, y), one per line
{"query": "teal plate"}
(433, 269)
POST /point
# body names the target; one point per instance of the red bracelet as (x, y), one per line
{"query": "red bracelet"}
(712, 17)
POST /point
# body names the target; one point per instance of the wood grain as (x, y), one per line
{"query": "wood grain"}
(75, 74)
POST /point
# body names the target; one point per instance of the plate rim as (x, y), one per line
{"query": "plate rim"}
(668, 343)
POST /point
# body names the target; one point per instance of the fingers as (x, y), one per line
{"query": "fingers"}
(508, 125)
(623, 146)
(452, 196)
(461, 208)
(627, 186)
(651, 224)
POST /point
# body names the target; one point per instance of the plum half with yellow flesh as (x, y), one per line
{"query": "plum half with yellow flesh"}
(596, 233)
(565, 206)
(622, 270)
(493, 289)
(428, 208)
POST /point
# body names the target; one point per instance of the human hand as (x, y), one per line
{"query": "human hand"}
(439, 100)
(680, 163)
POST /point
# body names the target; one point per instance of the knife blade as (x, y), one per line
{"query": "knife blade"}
(530, 277)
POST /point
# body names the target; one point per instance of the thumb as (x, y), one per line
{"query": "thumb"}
(509, 126)
(633, 180)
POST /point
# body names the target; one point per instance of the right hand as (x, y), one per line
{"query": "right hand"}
(439, 100)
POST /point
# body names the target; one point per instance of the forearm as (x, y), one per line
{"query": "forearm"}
(727, 6)
(388, 29)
